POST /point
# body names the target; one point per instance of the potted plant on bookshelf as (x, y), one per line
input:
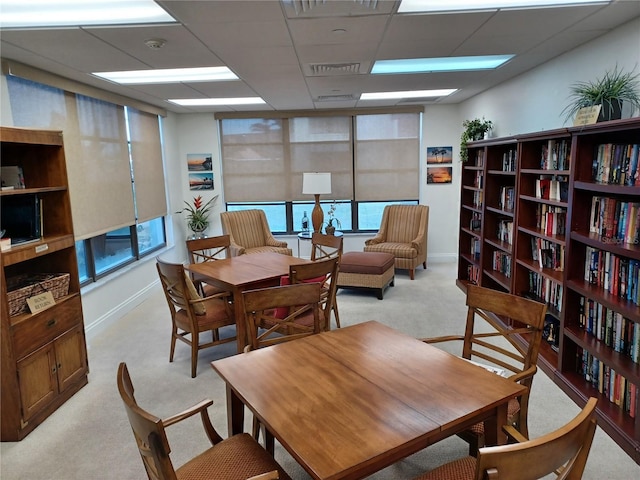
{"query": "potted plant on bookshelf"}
(473, 130)
(610, 91)
(330, 228)
(198, 215)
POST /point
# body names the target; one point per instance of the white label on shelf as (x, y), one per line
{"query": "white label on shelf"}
(42, 248)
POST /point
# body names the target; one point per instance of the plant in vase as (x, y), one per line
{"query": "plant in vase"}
(330, 228)
(198, 214)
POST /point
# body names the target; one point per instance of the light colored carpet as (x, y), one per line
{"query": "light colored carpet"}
(89, 437)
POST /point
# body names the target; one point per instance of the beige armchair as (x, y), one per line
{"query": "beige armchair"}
(249, 233)
(403, 233)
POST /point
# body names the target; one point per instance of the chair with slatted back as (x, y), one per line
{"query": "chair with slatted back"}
(324, 272)
(208, 249)
(273, 315)
(250, 233)
(501, 347)
(323, 247)
(191, 313)
(562, 453)
(238, 457)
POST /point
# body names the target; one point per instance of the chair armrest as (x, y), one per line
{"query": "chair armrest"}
(266, 476)
(528, 373)
(375, 240)
(272, 242)
(514, 434)
(447, 338)
(236, 250)
(200, 408)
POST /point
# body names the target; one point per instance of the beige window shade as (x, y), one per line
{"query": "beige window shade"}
(148, 172)
(387, 158)
(95, 149)
(253, 160)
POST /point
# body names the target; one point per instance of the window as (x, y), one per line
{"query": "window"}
(118, 218)
(373, 159)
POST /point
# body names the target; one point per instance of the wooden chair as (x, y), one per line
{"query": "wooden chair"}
(235, 458)
(323, 271)
(323, 247)
(527, 320)
(208, 249)
(192, 314)
(563, 452)
(250, 233)
(403, 233)
(273, 315)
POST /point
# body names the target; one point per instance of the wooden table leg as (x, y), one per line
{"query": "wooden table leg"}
(493, 427)
(235, 413)
(241, 328)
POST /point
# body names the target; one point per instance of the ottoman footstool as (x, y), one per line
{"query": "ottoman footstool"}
(373, 270)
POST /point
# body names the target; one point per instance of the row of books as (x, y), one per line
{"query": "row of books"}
(546, 289)
(552, 188)
(551, 220)
(615, 220)
(620, 276)
(475, 222)
(507, 198)
(478, 199)
(475, 248)
(509, 160)
(505, 231)
(616, 163)
(478, 179)
(548, 254)
(473, 274)
(555, 155)
(609, 326)
(613, 386)
(502, 263)
(479, 158)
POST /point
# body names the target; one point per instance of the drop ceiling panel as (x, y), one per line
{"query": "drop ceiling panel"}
(404, 28)
(319, 31)
(182, 48)
(215, 12)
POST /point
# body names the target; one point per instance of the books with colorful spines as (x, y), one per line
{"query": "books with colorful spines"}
(595, 214)
(616, 164)
(542, 188)
(633, 399)
(630, 224)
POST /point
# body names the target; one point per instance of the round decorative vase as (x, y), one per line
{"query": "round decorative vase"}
(330, 230)
(198, 232)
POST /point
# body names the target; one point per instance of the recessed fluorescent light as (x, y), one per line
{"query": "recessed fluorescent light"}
(442, 64)
(439, 6)
(407, 94)
(199, 102)
(66, 13)
(169, 75)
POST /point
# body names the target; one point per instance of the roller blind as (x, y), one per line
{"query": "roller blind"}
(148, 171)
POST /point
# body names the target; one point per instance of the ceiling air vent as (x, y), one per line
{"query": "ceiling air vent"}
(322, 69)
(335, 98)
(421, 100)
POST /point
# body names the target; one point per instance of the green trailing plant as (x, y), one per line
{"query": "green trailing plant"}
(614, 87)
(473, 130)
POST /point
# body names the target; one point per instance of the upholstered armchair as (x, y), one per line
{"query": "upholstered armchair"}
(249, 233)
(403, 233)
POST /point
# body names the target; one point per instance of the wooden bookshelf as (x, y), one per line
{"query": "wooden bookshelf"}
(43, 354)
(553, 242)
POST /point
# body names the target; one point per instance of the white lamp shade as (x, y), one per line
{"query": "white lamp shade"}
(316, 183)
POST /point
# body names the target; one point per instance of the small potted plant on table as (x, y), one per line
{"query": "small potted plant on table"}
(330, 228)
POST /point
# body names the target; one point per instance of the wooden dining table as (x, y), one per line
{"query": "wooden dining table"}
(351, 401)
(244, 272)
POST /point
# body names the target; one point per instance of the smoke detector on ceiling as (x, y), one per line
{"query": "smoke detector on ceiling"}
(155, 43)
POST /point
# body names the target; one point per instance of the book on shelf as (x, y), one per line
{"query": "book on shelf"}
(615, 221)
(616, 163)
(555, 155)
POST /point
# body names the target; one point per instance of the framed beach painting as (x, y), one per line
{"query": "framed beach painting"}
(439, 175)
(438, 155)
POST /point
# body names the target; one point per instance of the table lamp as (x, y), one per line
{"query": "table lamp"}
(316, 184)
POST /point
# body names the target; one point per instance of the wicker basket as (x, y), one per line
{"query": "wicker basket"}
(21, 287)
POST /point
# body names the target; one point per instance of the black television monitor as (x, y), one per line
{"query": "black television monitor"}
(20, 218)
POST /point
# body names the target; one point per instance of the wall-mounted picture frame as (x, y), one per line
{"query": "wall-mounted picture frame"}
(438, 155)
(201, 181)
(439, 175)
(199, 162)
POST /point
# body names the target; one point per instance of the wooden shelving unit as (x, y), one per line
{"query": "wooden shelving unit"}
(553, 243)
(43, 355)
